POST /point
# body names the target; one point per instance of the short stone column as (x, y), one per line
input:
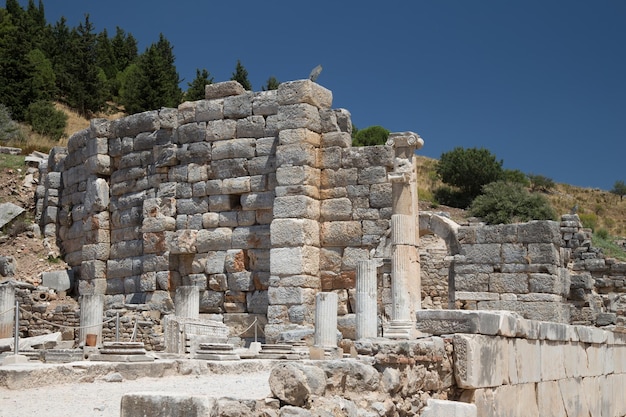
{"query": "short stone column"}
(187, 302)
(405, 268)
(326, 320)
(91, 317)
(366, 303)
(7, 310)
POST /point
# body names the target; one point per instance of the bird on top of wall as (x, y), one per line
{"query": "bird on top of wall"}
(315, 73)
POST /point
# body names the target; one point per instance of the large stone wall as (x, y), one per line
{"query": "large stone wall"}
(256, 198)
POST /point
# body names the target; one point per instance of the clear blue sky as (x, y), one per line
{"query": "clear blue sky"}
(541, 84)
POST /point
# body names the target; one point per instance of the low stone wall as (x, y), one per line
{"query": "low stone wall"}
(510, 366)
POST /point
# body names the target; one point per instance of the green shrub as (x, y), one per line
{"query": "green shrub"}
(9, 129)
(505, 202)
(448, 196)
(602, 234)
(589, 220)
(46, 120)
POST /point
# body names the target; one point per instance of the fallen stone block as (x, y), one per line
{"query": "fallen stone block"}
(443, 408)
(156, 404)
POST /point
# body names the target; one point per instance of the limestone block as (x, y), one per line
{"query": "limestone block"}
(514, 253)
(304, 91)
(294, 232)
(246, 218)
(552, 366)
(262, 165)
(211, 301)
(549, 399)
(265, 103)
(458, 321)
(161, 404)
(257, 302)
(223, 89)
(125, 267)
(93, 269)
(228, 168)
(207, 110)
(296, 154)
(256, 201)
(336, 209)
(234, 148)
(444, 408)
(222, 202)
(213, 239)
(126, 248)
(251, 127)
(294, 261)
(240, 281)
(221, 129)
(238, 107)
(296, 206)
(515, 400)
(554, 331)
(475, 296)
(301, 281)
(485, 253)
(297, 175)
(527, 360)
(372, 175)
(544, 253)
(330, 158)
(92, 286)
(352, 256)
(294, 116)
(539, 231)
(237, 185)
(339, 139)
(214, 262)
(228, 219)
(266, 146)
(543, 311)
(182, 241)
(250, 237)
(131, 126)
(217, 282)
(573, 397)
(191, 133)
(97, 251)
(298, 136)
(341, 233)
(380, 195)
(343, 177)
(587, 334)
(98, 164)
(290, 295)
(597, 355)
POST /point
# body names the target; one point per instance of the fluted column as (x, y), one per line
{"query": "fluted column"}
(326, 320)
(366, 303)
(7, 310)
(187, 302)
(405, 270)
(91, 317)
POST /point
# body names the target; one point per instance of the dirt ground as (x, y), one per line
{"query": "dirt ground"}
(102, 396)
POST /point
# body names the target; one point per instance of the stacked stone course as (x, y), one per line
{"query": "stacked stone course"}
(256, 198)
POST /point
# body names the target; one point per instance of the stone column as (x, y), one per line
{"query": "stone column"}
(7, 310)
(187, 302)
(405, 269)
(326, 320)
(366, 303)
(91, 317)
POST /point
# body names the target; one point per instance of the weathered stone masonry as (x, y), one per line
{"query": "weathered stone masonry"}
(256, 198)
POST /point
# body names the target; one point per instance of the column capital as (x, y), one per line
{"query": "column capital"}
(405, 140)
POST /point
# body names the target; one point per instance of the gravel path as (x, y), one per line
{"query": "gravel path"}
(102, 399)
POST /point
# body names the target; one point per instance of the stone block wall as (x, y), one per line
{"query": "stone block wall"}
(507, 365)
(256, 198)
(515, 267)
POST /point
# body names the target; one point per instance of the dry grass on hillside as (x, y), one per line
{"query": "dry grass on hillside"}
(597, 208)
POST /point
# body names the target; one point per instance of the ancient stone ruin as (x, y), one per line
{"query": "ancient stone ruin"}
(251, 212)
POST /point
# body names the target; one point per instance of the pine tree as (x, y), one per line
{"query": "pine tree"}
(241, 76)
(59, 49)
(153, 83)
(271, 84)
(124, 48)
(87, 92)
(196, 90)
